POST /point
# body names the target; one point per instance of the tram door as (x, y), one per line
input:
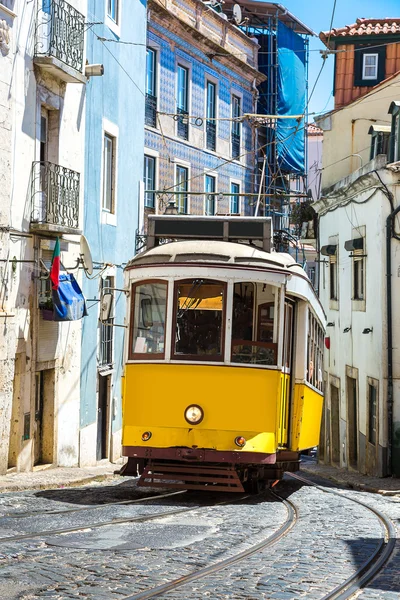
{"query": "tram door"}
(285, 378)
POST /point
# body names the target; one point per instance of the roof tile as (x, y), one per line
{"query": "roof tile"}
(362, 27)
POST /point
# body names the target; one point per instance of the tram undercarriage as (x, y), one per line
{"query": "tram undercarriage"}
(217, 474)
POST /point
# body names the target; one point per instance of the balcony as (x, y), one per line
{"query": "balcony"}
(182, 123)
(59, 40)
(55, 198)
(211, 135)
(150, 114)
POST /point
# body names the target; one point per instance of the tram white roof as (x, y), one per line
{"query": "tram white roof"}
(216, 251)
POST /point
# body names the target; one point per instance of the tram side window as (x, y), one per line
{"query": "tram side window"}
(252, 340)
(199, 319)
(315, 344)
(148, 319)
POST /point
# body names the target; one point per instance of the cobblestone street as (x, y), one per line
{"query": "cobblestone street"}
(145, 547)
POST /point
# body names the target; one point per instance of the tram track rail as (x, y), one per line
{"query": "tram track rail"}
(374, 564)
(137, 519)
(292, 516)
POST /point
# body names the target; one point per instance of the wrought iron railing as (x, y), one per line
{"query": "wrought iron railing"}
(60, 33)
(106, 343)
(150, 114)
(182, 123)
(235, 145)
(211, 135)
(55, 195)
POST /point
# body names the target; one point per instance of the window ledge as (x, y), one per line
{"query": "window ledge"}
(108, 218)
(113, 26)
(334, 304)
(358, 305)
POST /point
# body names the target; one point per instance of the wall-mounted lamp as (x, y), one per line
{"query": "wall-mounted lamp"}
(331, 324)
(367, 330)
(94, 70)
(346, 329)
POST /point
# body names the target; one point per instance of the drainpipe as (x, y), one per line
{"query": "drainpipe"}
(389, 235)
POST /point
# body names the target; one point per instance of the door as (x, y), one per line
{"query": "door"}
(104, 386)
(335, 423)
(287, 360)
(352, 421)
(39, 401)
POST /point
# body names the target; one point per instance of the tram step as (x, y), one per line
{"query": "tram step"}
(190, 477)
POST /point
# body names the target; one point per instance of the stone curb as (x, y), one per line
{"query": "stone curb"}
(31, 486)
(363, 487)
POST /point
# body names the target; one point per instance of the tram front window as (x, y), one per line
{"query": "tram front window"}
(149, 308)
(199, 319)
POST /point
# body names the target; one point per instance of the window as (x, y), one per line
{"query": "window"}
(149, 305)
(151, 90)
(183, 102)
(333, 277)
(106, 330)
(182, 177)
(315, 352)
(253, 341)
(372, 410)
(211, 127)
(358, 274)
(379, 142)
(210, 195)
(108, 172)
(112, 10)
(199, 320)
(394, 110)
(149, 178)
(234, 207)
(235, 133)
(370, 66)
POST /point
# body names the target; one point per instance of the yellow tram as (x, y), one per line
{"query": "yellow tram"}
(223, 373)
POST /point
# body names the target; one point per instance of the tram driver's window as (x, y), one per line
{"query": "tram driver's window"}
(199, 321)
(149, 308)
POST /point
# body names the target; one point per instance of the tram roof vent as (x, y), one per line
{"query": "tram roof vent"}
(227, 229)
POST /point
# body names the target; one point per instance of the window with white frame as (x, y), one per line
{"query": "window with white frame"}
(149, 178)
(373, 386)
(370, 66)
(112, 10)
(182, 104)
(358, 274)
(211, 125)
(106, 329)
(234, 207)
(210, 195)
(333, 277)
(109, 147)
(182, 187)
(151, 88)
(236, 126)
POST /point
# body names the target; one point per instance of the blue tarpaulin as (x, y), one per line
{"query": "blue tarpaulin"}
(68, 300)
(290, 133)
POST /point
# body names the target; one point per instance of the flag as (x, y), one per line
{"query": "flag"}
(55, 266)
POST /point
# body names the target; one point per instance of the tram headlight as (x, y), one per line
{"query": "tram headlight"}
(240, 441)
(146, 436)
(194, 414)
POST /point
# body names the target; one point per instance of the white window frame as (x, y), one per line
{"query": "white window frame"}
(238, 94)
(239, 183)
(156, 155)
(107, 217)
(179, 61)
(157, 49)
(214, 80)
(213, 174)
(188, 166)
(364, 66)
(334, 302)
(359, 256)
(115, 26)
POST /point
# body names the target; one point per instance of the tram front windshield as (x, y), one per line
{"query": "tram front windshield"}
(199, 311)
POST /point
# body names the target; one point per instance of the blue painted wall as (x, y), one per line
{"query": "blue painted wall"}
(117, 96)
(171, 47)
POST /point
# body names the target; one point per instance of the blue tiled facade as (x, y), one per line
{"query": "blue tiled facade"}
(114, 105)
(170, 49)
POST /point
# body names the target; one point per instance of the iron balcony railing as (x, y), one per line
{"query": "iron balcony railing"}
(235, 145)
(211, 135)
(150, 114)
(60, 33)
(183, 123)
(106, 343)
(55, 195)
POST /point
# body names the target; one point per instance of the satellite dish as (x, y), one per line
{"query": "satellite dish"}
(86, 256)
(237, 14)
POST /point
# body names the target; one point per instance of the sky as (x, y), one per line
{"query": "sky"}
(317, 15)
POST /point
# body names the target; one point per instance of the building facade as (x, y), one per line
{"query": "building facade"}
(113, 184)
(42, 140)
(359, 249)
(201, 79)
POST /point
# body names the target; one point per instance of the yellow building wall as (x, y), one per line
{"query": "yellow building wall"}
(306, 418)
(235, 400)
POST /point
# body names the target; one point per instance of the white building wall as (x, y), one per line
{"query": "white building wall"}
(29, 89)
